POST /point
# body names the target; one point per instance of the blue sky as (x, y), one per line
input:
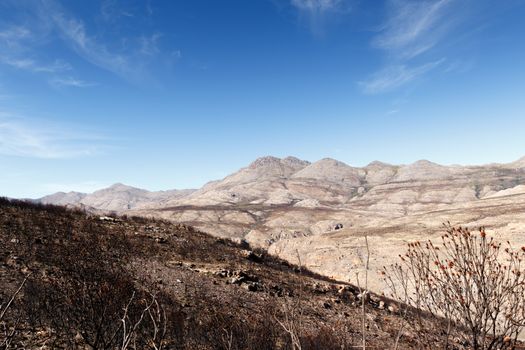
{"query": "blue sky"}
(172, 94)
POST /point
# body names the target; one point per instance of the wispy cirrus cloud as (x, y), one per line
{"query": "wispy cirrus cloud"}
(70, 81)
(30, 138)
(12, 35)
(128, 56)
(32, 65)
(317, 5)
(394, 76)
(315, 12)
(149, 45)
(15, 44)
(112, 10)
(413, 27)
(411, 30)
(73, 31)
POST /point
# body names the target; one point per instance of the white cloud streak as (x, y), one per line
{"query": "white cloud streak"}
(14, 47)
(34, 66)
(395, 76)
(70, 81)
(74, 33)
(23, 138)
(316, 11)
(112, 10)
(317, 5)
(11, 36)
(128, 57)
(149, 44)
(413, 27)
(130, 60)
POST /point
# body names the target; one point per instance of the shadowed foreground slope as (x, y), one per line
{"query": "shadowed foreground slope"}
(86, 274)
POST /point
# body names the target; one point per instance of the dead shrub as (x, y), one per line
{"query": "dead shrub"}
(472, 282)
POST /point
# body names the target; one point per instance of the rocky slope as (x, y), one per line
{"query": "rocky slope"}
(324, 209)
(87, 282)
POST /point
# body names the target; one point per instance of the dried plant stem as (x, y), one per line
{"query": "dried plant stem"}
(473, 284)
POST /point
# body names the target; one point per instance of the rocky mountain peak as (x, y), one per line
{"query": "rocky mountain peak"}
(378, 164)
(423, 163)
(264, 161)
(331, 170)
(423, 170)
(120, 187)
(328, 164)
(293, 161)
(331, 162)
(520, 163)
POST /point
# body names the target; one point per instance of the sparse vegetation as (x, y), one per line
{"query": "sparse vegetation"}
(472, 282)
(73, 280)
(134, 283)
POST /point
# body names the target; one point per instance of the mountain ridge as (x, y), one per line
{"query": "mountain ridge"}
(323, 209)
(269, 160)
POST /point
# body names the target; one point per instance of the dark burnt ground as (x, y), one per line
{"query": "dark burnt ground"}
(215, 294)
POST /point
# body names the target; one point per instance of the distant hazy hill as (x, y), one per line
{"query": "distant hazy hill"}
(117, 198)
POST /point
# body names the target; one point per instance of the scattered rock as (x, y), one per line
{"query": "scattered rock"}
(241, 277)
(78, 338)
(252, 256)
(277, 290)
(374, 298)
(347, 293)
(253, 286)
(161, 240)
(14, 261)
(223, 273)
(365, 295)
(321, 288)
(108, 219)
(393, 308)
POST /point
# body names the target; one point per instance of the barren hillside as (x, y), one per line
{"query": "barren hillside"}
(80, 276)
(323, 209)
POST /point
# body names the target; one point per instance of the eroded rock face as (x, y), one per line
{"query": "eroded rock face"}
(289, 205)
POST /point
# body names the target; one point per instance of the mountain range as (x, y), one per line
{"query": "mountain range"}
(321, 211)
